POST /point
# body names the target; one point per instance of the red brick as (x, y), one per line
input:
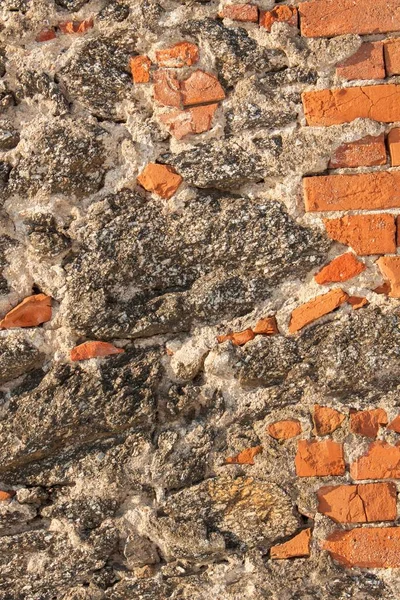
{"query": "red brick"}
(326, 419)
(367, 422)
(395, 424)
(163, 180)
(383, 289)
(328, 18)
(392, 56)
(382, 461)
(201, 88)
(357, 302)
(178, 55)
(394, 146)
(140, 69)
(297, 547)
(366, 234)
(366, 63)
(32, 311)
(246, 457)
(363, 503)
(46, 35)
(240, 12)
(267, 326)
(314, 309)
(366, 547)
(239, 338)
(189, 122)
(341, 268)
(362, 191)
(167, 88)
(280, 14)
(284, 430)
(390, 269)
(370, 151)
(319, 458)
(336, 106)
(93, 350)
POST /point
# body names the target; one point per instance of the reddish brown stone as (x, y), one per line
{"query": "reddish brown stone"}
(178, 55)
(382, 461)
(383, 289)
(319, 458)
(167, 88)
(316, 308)
(367, 422)
(201, 88)
(296, 547)
(267, 326)
(282, 13)
(163, 180)
(93, 350)
(32, 311)
(366, 63)
(363, 503)
(45, 35)
(357, 302)
(392, 56)
(390, 269)
(366, 234)
(341, 268)
(366, 547)
(394, 146)
(395, 424)
(192, 121)
(326, 419)
(284, 430)
(240, 12)
(369, 151)
(140, 68)
(246, 457)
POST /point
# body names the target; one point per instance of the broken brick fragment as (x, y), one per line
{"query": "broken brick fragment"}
(140, 68)
(246, 457)
(365, 547)
(239, 338)
(392, 56)
(390, 269)
(357, 302)
(365, 234)
(341, 268)
(382, 461)
(319, 458)
(267, 326)
(363, 503)
(240, 12)
(366, 63)
(201, 88)
(46, 35)
(316, 308)
(394, 146)
(369, 151)
(383, 289)
(76, 26)
(163, 180)
(166, 88)
(6, 495)
(395, 424)
(93, 350)
(178, 55)
(32, 311)
(280, 14)
(367, 422)
(192, 121)
(284, 430)
(326, 419)
(297, 547)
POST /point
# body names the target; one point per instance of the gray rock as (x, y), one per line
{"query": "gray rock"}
(17, 356)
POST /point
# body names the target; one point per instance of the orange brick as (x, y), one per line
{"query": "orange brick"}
(365, 547)
(390, 269)
(163, 180)
(284, 430)
(382, 461)
(246, 457)
(280, 14)
(297, 547)
(319, 458)
(357, 302)
(367, 422)
(362, 191)
(32, 311)
(201, 88)
(267, 326)
(383, 289)
(314, 309)
(140, 69)
(328, 18)
(394, 146)
(341, 268)
(370, 151)
(192, 121)
(336, 106)
(167, 88)
(75, 26)
(366, 234)
(46, 34)
(93, 350)
(392, 56)
(326, 419)
(240, 12)
(363, 503)
(6, 495)
(178, 55)
(239, 338)
(366, 63)
(395, 424)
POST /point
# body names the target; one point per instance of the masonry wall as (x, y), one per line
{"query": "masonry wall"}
(199, 300)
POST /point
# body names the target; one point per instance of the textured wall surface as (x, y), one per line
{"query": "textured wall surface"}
(199, 300)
